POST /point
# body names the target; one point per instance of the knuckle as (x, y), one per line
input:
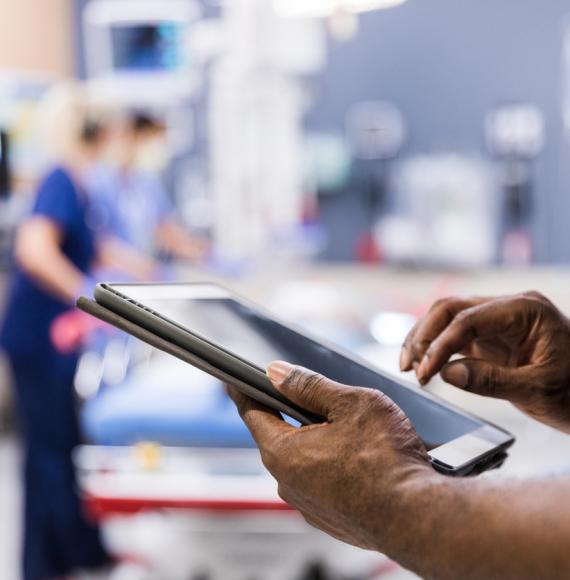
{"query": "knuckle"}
(535, 295)
(444, 302)
(488, 383)
(308, 384)
(545, 306)
(377, 400)
(365, 398)
(303, 379)
(529, 309)
(349, 396)
(465, 321)
(534, 303)
(420, 345)
(314, 381)
(349, 401)
(295, 379)
(463, 318)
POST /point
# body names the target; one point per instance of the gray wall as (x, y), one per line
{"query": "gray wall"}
(445, 63)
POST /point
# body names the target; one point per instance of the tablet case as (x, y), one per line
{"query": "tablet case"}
(104, 314)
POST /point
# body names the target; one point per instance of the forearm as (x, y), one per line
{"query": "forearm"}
(40, 257)
(175, 240)
(444, 528)
(116, 255)
(58, 276)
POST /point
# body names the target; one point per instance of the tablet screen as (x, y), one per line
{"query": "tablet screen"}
(258, 339)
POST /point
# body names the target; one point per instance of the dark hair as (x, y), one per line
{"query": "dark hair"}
(142, 122)
(92, 131)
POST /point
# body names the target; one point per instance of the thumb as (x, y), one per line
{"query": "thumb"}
(309, 390)
(489, 380)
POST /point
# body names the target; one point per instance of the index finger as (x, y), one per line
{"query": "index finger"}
(428, 328)
(474, 323)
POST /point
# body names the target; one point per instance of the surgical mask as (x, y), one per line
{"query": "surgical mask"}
(112, 155)
(152, 156)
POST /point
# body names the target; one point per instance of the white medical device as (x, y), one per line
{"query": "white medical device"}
(326, 8)
(138, 51)
(257, 105)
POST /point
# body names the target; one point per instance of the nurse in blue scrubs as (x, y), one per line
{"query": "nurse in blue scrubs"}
(54, 256)
(130, 197)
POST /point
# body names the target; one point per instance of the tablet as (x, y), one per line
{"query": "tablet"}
(241, 339)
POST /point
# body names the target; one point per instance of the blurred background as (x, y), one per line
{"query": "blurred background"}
(342, 162)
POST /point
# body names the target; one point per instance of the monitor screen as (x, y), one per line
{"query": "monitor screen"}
(149, 47)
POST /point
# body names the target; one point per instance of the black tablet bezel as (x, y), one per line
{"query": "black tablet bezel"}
(471, 453)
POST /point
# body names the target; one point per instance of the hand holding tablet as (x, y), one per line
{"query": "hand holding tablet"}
(235, 341)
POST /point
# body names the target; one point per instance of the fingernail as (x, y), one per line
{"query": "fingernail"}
(422, 369)
(278, 372)
(405, 360)
(456, 374)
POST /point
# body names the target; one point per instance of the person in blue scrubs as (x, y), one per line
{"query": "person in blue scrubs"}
(132, 203)
(58, 538)
(55, 254)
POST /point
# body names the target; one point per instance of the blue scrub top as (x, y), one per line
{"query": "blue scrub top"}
(31, 310)
(129, 205)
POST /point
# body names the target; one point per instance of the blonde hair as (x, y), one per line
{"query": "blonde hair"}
(62, 116)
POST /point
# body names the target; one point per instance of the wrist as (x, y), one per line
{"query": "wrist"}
(410, 510)
(86, 288)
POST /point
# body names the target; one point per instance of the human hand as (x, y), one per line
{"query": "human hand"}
(69, 331)
(516, 347)
(347, 476)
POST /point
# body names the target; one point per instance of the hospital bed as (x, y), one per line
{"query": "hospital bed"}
(175, 479)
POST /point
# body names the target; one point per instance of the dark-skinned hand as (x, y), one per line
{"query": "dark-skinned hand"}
(516, 348)
(367, 453)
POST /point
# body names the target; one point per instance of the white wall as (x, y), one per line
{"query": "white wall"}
(36, 35)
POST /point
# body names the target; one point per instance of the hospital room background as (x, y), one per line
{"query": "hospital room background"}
(343, 163)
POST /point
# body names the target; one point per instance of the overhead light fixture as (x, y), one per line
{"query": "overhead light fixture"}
(326, 8)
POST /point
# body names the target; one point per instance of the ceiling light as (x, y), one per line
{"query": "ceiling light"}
(325, 8)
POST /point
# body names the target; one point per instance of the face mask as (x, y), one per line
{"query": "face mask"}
(152, 156)
(112, 155)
